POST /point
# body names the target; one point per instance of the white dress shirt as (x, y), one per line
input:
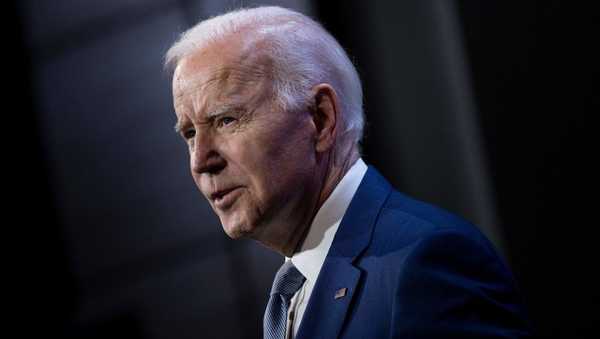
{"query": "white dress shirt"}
(311, 256)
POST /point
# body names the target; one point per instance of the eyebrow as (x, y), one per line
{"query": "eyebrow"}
(211, 115)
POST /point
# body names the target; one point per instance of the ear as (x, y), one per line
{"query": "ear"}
(325, 115)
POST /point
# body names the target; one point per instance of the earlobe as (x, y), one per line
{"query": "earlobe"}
(325, 116)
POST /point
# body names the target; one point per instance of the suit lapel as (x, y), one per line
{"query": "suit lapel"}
(339, 279)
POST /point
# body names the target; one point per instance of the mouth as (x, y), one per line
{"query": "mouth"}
(223, 199)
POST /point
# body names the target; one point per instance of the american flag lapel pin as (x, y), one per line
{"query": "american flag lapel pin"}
(340, 293)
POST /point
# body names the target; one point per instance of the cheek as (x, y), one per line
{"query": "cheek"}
(292, 159)
(197, 179)
(272, 160)
(280, 174)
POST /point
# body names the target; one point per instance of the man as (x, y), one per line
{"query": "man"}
(271, 109)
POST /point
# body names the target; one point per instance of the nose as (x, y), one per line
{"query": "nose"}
(205, 156)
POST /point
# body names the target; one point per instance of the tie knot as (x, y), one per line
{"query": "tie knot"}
(287, 280)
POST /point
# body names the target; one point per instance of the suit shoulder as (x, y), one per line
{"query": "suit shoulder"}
(403, 222)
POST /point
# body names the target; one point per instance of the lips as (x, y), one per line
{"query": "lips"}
(224, 198)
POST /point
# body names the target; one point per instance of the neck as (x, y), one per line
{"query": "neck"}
(334, 170)
(331, 171)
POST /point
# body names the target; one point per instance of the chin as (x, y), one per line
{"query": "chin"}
(233, 234)
(237, 231)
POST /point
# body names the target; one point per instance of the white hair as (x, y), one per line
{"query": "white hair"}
(303, 54)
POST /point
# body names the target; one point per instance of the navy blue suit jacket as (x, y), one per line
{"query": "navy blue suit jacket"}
(410, 271)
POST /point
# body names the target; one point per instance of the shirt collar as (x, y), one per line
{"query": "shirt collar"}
(311, 256)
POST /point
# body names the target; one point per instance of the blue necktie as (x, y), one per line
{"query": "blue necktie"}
(287, 281)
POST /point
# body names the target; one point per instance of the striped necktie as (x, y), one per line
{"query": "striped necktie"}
(287, 281)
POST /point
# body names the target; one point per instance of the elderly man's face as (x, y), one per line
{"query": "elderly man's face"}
(253, 162)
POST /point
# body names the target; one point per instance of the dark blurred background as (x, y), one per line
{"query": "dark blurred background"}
(481, 107)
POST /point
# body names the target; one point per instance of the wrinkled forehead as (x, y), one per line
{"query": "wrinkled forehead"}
(222, 73)
(189, 79)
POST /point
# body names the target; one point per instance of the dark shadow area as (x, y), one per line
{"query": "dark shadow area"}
(534, 66)
(43, 293)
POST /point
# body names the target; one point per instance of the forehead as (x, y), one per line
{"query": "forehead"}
(220, 73)
(196, 71)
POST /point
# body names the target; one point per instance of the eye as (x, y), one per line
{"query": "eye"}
(188, 134)
(224, 121)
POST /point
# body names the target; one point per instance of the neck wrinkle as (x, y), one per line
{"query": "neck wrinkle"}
(333, 175)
